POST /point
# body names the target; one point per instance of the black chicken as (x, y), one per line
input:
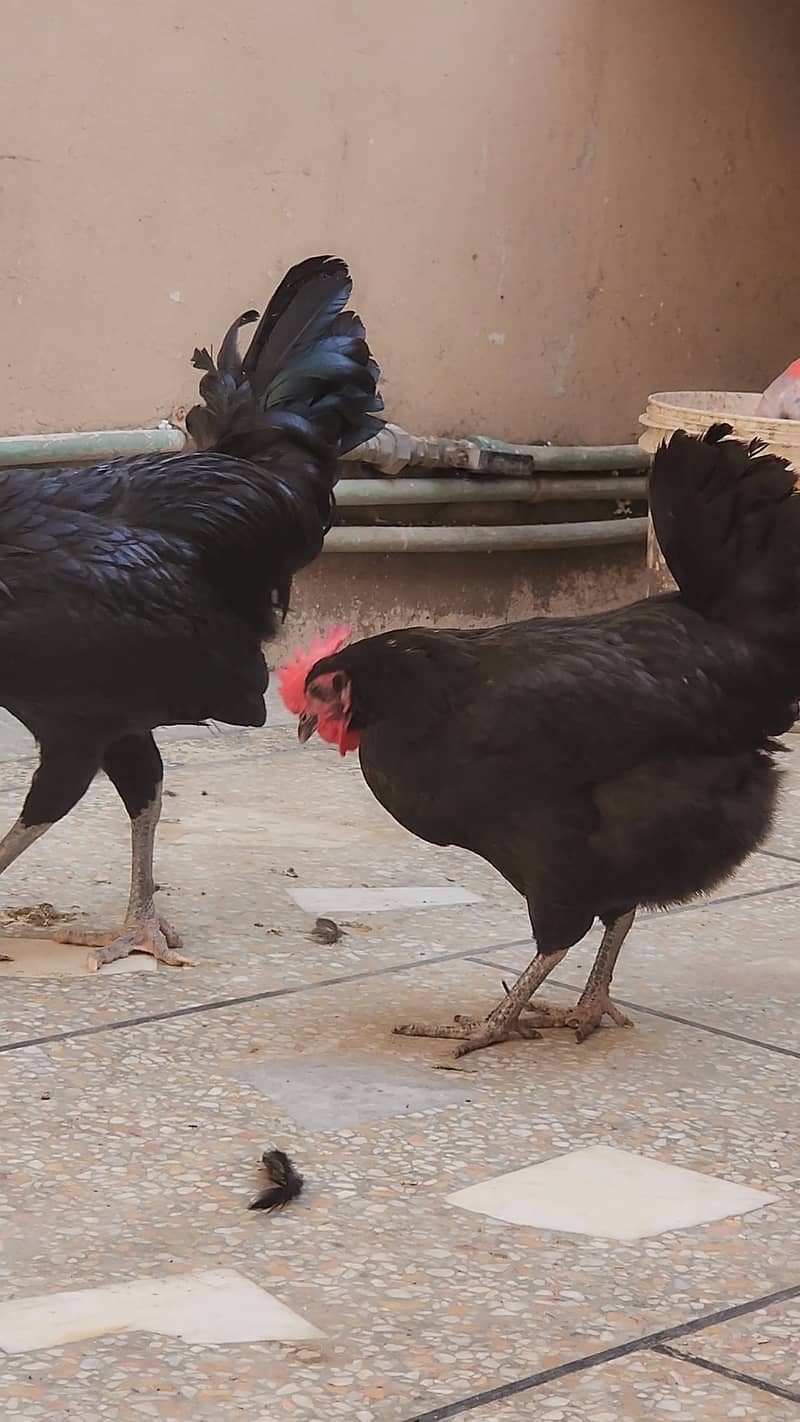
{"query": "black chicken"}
(604, 762)
(138, 593)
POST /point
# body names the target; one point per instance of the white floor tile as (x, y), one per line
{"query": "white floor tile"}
(215, 1306)
(608, 1193)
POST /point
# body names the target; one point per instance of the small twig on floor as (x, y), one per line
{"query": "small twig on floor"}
(35, 915)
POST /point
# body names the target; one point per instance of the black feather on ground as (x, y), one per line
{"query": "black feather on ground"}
(285, 1185)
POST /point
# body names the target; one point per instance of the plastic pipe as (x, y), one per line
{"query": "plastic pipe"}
(518, 538)
(394, 449)
(351, 493)
(88, 446)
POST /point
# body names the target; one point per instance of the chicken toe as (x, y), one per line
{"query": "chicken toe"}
(594, 1002)
(503, 1022)
(585, 1016)
(589, 1012)
(472, 1034)
(152, 934)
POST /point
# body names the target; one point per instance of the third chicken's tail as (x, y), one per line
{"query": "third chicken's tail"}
(727, 517)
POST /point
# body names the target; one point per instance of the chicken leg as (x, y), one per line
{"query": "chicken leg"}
(134, 767)
(503, 1022)
(594, 1002)
(64, 774)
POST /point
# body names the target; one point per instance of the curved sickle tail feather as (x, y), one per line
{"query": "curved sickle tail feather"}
(308, 371)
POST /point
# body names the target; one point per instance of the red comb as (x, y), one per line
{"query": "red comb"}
(292, 675)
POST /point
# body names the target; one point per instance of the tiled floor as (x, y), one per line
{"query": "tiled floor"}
(136, 1106)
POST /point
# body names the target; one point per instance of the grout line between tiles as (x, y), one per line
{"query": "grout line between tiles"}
(700, 904)
(761, 1384)
(649, 1342)
(776, 854)
(219, 1003)
(655, 1012)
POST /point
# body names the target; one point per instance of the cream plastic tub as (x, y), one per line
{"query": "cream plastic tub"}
(694, 411)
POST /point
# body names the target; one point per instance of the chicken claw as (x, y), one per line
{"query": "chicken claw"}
(585, 1017)
(472, 1034)
(140, 937)
(503, 1022)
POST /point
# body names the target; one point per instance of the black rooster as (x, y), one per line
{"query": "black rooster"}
(604, 762)
(137, 594)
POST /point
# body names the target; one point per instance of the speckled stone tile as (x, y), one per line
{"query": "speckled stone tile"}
(785, 837)
(637, 1388)
(267, 816)
(733, 966)
(134, 1152)
(764, 1344)
(242, 929)
(327, 900)
(143, 1156)
(323, 1093)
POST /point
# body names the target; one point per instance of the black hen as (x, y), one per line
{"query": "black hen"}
(137, 594)
(604, 762)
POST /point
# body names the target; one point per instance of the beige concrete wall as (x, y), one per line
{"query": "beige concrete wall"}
(550, 206)
(375, 593)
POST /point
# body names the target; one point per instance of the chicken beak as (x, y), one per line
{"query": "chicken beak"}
(306, 727)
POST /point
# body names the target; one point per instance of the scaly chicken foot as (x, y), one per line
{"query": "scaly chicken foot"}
(503, 1022)
(152, 934)
(594, 1002)
(585, 1017)
(144, 930)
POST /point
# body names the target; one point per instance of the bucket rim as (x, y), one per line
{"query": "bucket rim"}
(676, 409)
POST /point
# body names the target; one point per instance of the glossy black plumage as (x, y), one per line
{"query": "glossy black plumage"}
(615, 760)
(138, 593)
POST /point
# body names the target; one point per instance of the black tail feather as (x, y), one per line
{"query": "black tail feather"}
(229, 359)
(302, 311)
(308, 356)
(727, 519)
